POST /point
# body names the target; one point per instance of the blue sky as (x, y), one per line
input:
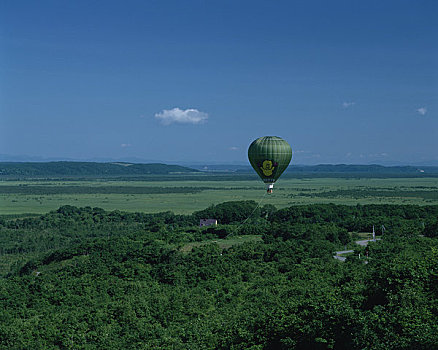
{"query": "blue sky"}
(197, 81)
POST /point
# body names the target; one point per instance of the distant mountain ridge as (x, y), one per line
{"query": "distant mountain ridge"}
(357, 168)
(67, 168)
(330, 169)
(58, 169)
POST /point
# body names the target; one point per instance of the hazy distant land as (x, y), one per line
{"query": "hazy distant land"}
(22, 170)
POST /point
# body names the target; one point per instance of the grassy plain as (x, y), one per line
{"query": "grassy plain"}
(184, 197)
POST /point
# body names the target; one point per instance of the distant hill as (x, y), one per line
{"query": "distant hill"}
(35, 169)
(351, 168)
(67, 169)
(330, 170)
(344, 169)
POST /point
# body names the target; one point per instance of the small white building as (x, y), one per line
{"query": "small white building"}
(207, 222)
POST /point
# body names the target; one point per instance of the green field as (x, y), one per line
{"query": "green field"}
(183, 197)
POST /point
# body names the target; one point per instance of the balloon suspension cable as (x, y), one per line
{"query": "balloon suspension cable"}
(244, 221)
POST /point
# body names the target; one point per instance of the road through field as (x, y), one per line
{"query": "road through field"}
(364, 242)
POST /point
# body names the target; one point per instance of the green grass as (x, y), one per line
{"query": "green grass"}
(223, 243)
(167, 195)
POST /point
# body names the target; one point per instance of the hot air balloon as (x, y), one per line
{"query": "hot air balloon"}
(269, 156)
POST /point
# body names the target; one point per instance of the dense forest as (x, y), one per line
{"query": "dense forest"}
(85, 278)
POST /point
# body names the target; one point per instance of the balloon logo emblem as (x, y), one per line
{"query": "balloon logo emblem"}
(268, 168)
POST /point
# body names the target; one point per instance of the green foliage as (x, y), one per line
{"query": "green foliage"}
(431, 229)
(92, 279)
(229, 212)
(220, 231)
(360, 218)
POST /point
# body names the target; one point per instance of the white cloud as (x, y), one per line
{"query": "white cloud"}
(422, 110)
(124, 145)
(348, 104)
(184, 116)
(233, 148)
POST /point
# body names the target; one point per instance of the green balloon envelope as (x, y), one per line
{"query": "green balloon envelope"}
(269, 156)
